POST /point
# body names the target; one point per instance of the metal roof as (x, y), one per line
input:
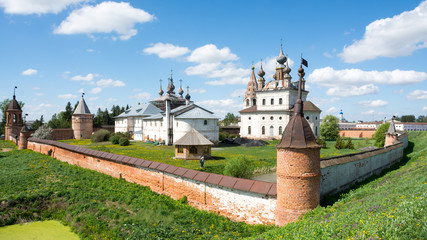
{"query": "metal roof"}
(82, 108)
(193, 137)
(154, 117)
(391, 128)
(144, 109)
(138, 132)
(14, 105)
(197, 113)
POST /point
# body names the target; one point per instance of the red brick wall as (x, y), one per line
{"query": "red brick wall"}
(62, 133)
(245, 200)
(357, 133)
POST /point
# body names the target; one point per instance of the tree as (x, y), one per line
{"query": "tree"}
(422, 118)
(229, 118)
(63, 119)
(44, 132)
(329, 128)
(379, 135)
(407, 118)
(37, 123)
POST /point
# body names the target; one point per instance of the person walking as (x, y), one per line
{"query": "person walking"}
(202, 161)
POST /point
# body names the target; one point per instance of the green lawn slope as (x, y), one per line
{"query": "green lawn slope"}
(393, 206)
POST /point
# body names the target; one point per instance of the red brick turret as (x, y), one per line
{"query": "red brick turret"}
(13, 119)
(298, 167)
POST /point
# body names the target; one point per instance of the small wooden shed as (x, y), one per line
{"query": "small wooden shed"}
(192, 146)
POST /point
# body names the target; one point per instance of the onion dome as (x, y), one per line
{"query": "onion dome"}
(281, 59)
(261, 72)
(180, 91)
(287, 69)
(161, 90)
(187, 97)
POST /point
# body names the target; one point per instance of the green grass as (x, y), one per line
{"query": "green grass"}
(393, 206)
(36, 187)
(7, 144)
(47, 230)
(263, 157)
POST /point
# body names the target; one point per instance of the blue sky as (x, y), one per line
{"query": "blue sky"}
(365, 57)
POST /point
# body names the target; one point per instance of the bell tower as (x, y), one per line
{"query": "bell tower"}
(13, 118)
(82, 121)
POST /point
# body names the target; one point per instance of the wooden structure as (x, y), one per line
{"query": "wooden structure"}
(192, 146)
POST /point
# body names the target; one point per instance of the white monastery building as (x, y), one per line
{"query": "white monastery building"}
(267, 108)
(168, 118)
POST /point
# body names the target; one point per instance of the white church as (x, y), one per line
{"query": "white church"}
(267, 108)
(168, 118)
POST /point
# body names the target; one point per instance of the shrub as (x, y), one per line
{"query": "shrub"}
(349, 144)
(183, 200)
(100, 136)
(114, 139)
(321, 142)
(43, 132)
(379, 135)
(339, 143)
(239, 167)
(124, 141)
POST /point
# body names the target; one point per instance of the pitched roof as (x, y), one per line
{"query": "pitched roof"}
(197, 113)
(309, 106)
(144, 109)
(249, 109)
(193, 137)
(82, 108)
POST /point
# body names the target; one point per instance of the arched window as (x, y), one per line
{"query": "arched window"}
(263, 130)
(280, 130)
(249, 130)
(247, 102)
(272, 101)
(263, 102)
(254, 102)
(280, 101)
(14, 118)
(193, 150)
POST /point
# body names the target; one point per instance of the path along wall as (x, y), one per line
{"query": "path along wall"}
(238, 199)
(340, 173)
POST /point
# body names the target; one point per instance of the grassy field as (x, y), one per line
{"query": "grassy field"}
(35, 187)
(263, 157)
(7, 144)
(47, 230)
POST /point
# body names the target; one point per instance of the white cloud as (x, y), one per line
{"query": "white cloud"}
(166, 50)
(110, 83)
(417, 95)
(209, 53)
(330, 77)
(141, 96)
(269, 67)
(368, 112)
(424, 109)
(67, 96)
(111, 99)
(96, 90)
(373, 103)
(29, 72)
(332, 110)
(238, 93)
(220, 107)
(349, 91)
(36, 7)
(36, 88)
(227, 73)
(81, 90)
(322, 101)
(87, 78)
(89, 50)
(198, 90)
(106, 17)
(390, 37)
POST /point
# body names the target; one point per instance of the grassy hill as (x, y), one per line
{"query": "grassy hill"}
(393, 206)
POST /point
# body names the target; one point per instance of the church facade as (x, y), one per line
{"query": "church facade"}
(268, 107)
(168, 118)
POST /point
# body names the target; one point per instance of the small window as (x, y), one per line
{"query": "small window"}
(263, 130)
(280, 118)
(308, 118)
(247, 102)
(280, 130)
(180, 149)
(263, 102)
(316, 118)
(249, 130)
(272, 101)
(271, 118)
(280, 101)
(249, 118)
(254, 102)
(205, 122)
(193, 150)
(263, 118)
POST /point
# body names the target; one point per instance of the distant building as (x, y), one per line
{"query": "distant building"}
(410, 126)
(168, 118)
(268, 107)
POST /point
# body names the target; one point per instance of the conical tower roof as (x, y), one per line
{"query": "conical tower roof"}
(391, 128)
(252, 86)
(82, 108)
(14, 105)
(298, 133)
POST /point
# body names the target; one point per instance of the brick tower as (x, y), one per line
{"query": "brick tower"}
(82, 121)
(391, 135)
(13, 119)
(298, 166)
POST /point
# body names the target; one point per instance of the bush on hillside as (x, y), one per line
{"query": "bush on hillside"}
(100, 136)
(379, 135)
(114, 139)
(349, 144)
(224, 135)
(123, 141)
(339, 143)
(239, 167)
(321, 142)
(43, 132)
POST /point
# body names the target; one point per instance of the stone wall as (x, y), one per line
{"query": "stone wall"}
(238, 199)
(357, 133)
(339, 173)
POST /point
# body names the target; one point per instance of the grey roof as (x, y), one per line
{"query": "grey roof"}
(154, 117)
(172, 97)
(138, 132)
(197, 113)
(82, 108)
(144, 109)
(391, 128)
(193, 137)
